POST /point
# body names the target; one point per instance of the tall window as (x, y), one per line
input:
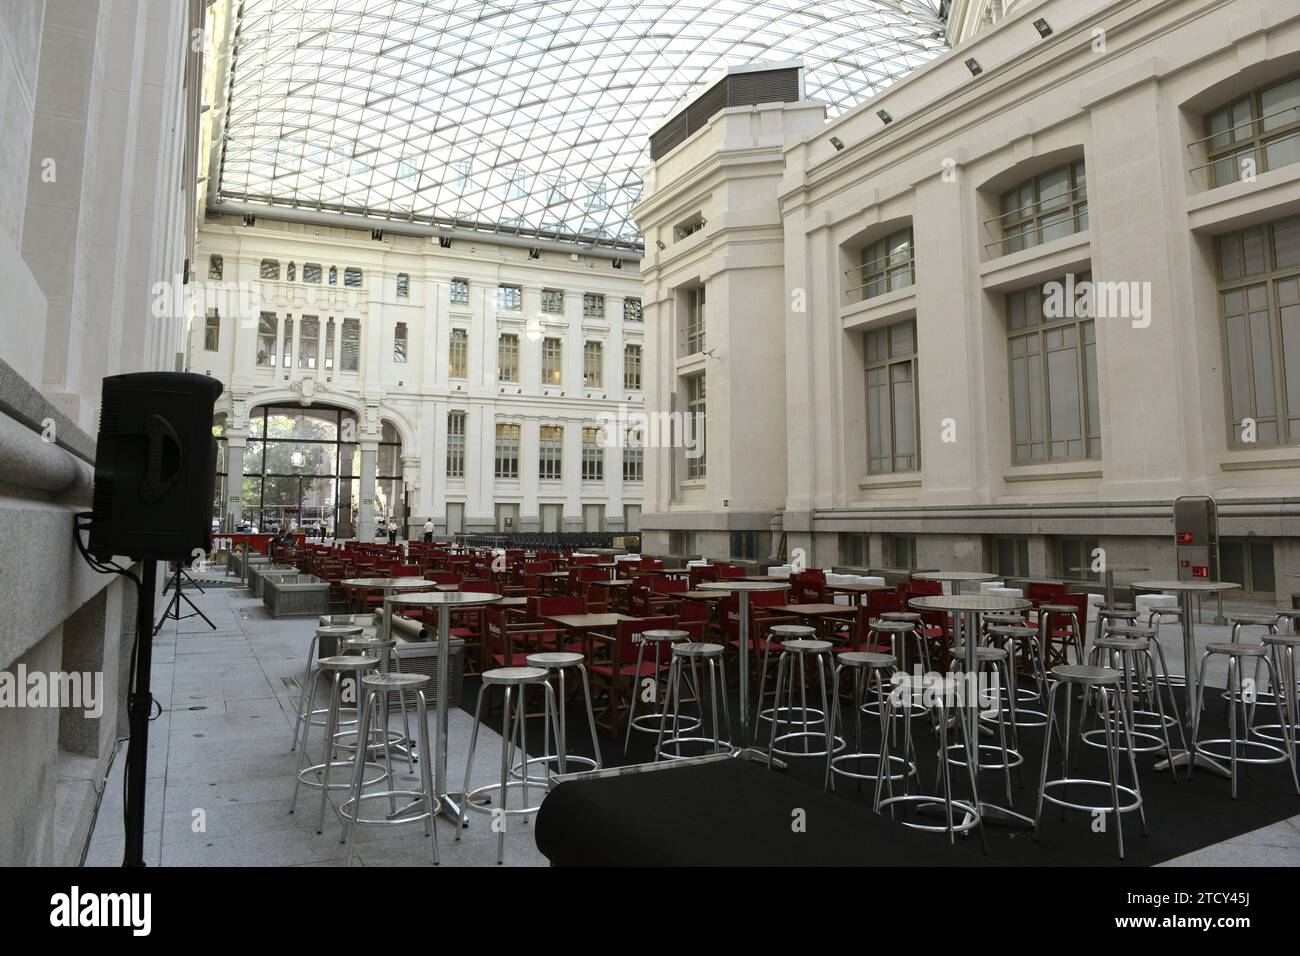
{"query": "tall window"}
(1008, 556)
(266, 328)
(288, 342)
(1047, 207)
(216, 267)
(352, 278)
(1074, 558)
(510, 298)
(458, 354)
(334, 275)
(633, 456)
(887, 264)
(1253, 134)
(350, 346)
(1259, 301)
(460, 292)
(311, 272)
(632, 368)
(593, 361)
(892, 415)
(309, 342)
(631, 309)
(693, 327)
(552, 361)
(593, 455)
(593, 306)
(211, 331)
(1054, 411)
(329, 344)
(695, 408)
(403, 285)
(507, 449)
(455, 444)
(399, 343)
(270, 269)
(553, 301)
(550, 452)
(508, 358)
(291, 273)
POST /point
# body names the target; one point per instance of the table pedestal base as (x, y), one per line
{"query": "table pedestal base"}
(1184, 758)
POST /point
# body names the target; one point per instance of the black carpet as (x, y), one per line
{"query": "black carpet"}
(1182, 816)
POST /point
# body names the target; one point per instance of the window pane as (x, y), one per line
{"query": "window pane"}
(1280, 105)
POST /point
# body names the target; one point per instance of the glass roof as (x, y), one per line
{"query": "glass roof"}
(530, 118)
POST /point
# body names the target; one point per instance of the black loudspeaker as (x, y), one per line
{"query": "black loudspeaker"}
(155, 465)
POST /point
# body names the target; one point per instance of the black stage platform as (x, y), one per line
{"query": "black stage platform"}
(721, 814)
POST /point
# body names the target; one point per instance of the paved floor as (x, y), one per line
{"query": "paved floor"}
(221, 773)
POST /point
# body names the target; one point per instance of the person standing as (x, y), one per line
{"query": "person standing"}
(428, 530)
(392, 531)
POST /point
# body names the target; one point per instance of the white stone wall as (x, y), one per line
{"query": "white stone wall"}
(417, 395)
(98, 110)
(1123, 86)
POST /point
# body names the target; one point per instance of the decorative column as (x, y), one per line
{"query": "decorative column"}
(369, 462)
(232, 507)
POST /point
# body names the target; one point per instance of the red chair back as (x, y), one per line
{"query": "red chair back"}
(627, 630)
(662, 585)
(406, 571)
(443, 577)
(1038, 592)
(540, 607)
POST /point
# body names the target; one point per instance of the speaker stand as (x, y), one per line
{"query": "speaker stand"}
(139, 708)
(173, 611)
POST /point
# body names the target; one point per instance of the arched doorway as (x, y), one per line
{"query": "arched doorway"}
(302, 469)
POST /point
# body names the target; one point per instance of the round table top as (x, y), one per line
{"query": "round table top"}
(387, 583)
(1193, 585)
(954, 576)
(443, 597)
(968, 602)
(734, 585)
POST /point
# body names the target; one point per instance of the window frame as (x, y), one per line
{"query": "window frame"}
(1090, 432)
(887, 365)
(1025, 230)
(507, 451)
(458, 353)
(508, 357)
(1256, 143)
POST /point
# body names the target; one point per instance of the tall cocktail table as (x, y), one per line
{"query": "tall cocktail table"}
(1186, 590)
(967, 608)
(742, 589)
(444, 601)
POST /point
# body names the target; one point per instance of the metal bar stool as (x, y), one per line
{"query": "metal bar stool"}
(1240, 622)
(399, 740)
(1047, 623)
(1292, 616)
(1155, 620)
(1128, 649)
(866, 665)
(1235, 742)
(376, 688)
(1103, 681)
(995, 661)
(1018, 636)
(329, 635)
(318, 775)
(559, 662)
(941, 694)
(795, 653)
(692, 652)
(1118, 613)
(1282, 655)
(648, 723)
(513, 680)
(777, 634)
